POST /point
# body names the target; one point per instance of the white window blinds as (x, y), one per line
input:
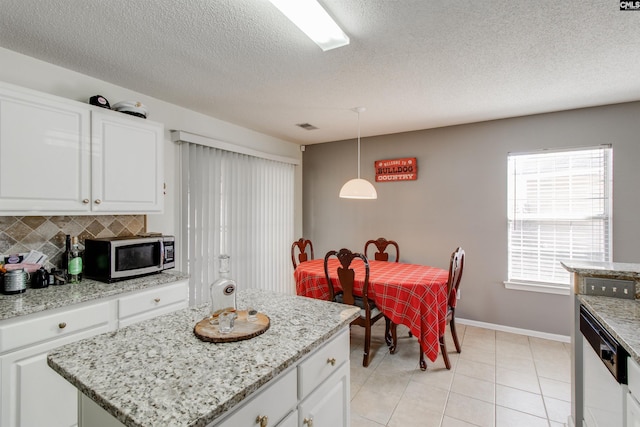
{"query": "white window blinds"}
(239, 205)
(559, 209)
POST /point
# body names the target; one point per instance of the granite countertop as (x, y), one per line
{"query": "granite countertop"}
(620, 316)
(36, 300)
(603, 269)
(159, 373)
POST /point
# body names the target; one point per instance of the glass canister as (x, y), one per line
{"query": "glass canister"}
(223, 291)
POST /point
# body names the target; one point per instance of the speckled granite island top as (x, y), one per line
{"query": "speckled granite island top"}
(620, 316)
(158, 373)
(613, 270)
(36, 300)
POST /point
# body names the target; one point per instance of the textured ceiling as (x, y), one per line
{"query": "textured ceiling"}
(414, 64)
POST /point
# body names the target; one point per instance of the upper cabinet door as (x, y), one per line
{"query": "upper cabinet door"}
(44, 154)
(127, 163)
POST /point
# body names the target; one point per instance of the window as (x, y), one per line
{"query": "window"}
(559, 209)
(239, 205)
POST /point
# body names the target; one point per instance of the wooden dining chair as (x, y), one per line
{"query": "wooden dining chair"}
(381, 244)
(369, 313)
(456, 265)
(303, 248)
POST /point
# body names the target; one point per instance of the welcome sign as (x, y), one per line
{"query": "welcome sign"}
(405, 169)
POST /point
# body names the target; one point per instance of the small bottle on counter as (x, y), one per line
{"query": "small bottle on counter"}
(74, 266)
(223, 291)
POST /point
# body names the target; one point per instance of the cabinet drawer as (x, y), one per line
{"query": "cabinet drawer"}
(633, 372)
(152, 299)
(323, 363)
(43, 328)
(274, 402)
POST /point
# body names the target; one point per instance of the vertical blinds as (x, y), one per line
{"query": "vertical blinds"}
(559, 209)
(239, 205)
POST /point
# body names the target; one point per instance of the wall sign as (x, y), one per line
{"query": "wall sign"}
(405, 169)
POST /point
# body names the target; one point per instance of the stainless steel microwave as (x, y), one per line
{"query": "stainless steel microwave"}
(120, 258)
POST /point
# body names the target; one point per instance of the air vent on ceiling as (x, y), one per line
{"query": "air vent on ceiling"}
(306, 126)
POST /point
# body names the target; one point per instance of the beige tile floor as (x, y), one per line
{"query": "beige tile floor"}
(499, 379)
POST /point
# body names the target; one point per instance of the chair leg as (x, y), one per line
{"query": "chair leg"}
(387, 331)
(367, 345)
(443, 350)
(394, 339)
(452, 325)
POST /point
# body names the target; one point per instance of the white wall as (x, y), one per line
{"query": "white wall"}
(28, 72)
(460, 199)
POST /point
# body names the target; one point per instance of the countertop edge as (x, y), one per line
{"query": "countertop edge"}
(619, 325)
(218, 408)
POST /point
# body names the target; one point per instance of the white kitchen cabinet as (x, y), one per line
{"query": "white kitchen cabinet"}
(26, 377)
(32, 394)
(152, 303)
(633, 395)
(59, 156)
(323, 385)
(127, 163)
(273, 403)
(313, 393)
(328, 405)
(44, 153)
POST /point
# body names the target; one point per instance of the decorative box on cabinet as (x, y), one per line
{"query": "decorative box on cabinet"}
(59, 156)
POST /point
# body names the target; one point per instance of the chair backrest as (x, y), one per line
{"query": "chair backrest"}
(456, 265)
(382, 244)
(346, 276)
(301, 246)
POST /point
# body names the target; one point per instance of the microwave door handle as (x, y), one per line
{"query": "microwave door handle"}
(161, 253)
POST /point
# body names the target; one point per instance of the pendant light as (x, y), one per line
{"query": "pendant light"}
(358, 188)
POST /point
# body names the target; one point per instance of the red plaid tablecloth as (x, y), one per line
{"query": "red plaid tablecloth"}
(408, 294)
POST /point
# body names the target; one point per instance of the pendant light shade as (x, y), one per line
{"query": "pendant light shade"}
(358, 188)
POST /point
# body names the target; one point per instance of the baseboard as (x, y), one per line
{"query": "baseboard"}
(502, 328)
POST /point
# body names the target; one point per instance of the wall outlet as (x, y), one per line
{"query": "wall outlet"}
(610, 287)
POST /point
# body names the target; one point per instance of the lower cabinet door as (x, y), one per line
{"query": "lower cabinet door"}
(633, 411)
(38, 396)
(290, 421)
(328, 405)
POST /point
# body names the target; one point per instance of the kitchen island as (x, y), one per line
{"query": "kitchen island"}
(159, 373)
(597, 399)
(37, 321)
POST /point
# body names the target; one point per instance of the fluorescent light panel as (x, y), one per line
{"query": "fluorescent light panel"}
(314, 21)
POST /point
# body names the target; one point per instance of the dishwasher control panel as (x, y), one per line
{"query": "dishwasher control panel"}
(610, 287)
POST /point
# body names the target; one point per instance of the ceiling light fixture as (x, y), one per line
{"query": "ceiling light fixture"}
(314, 21)
(358, 188)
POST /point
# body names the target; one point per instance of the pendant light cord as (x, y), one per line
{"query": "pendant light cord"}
(358, 144)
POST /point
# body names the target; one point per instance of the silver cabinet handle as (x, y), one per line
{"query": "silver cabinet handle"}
(62, 325)
(308, 421)
(156, 300)
(98, 201)
(85, 201)
(332, 361)
(262, 420)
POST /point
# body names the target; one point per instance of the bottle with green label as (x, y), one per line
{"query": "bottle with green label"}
(74, 257)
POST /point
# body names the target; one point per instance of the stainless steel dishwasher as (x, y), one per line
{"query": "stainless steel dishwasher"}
(604, 375)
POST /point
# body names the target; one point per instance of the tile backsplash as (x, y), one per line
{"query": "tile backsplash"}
(19, 234)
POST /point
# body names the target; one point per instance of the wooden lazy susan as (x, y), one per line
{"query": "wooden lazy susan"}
(206, 330)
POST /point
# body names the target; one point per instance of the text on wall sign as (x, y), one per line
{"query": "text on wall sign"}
(405, 169)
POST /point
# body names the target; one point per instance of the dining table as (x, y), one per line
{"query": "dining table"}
(413, 295)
